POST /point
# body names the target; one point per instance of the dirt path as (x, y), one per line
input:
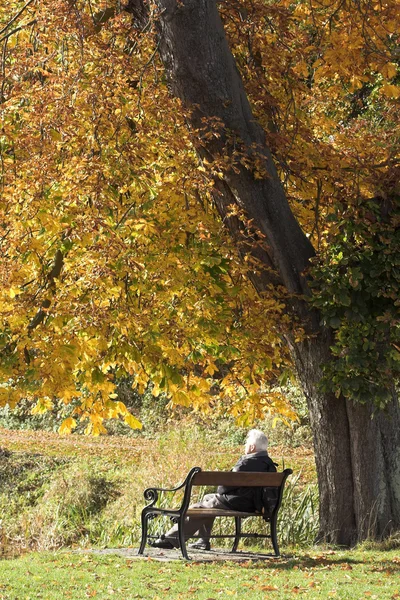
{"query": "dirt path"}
(214, 555)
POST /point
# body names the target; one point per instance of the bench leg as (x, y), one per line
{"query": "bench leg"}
(181, 538)
(145, 518)
(273, 535)
(238, 528)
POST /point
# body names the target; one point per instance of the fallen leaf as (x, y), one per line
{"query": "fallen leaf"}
(268, 588)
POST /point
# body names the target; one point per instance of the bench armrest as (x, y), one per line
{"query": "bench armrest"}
(151, 494)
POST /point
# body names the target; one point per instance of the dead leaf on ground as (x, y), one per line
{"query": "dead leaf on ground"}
(298, 590)
(268, 588)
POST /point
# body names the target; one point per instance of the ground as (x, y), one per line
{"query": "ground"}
(314, 575)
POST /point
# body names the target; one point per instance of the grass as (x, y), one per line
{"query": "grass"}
(342, 575)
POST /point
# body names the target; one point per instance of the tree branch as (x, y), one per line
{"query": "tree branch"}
(53, 274)
(15, 17)
(10, 33)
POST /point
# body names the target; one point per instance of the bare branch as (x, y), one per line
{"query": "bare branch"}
(10, 33)
(15, 17)
(40, 315)
(54, 274)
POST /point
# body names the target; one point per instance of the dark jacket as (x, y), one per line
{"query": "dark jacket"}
(247, 499)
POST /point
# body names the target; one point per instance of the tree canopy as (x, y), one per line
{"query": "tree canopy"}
(114, 259)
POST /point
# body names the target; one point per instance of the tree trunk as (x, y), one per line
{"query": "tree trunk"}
(375, 454)
(357, 453)
(332, 444)
(357, 458)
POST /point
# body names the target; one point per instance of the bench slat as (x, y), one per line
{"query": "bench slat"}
(216, 512)
(242, 479)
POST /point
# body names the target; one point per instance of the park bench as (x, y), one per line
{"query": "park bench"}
(197, 477)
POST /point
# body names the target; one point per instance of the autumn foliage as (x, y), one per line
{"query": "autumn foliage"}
(114, 261)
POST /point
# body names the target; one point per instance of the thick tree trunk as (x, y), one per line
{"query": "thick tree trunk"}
(358, 458)
(375, 453)
(332, 444)
(357, 453)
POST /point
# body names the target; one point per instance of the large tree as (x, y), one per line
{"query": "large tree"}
(120, 190)
(357, 449)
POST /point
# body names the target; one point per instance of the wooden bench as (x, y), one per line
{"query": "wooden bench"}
(197, 477)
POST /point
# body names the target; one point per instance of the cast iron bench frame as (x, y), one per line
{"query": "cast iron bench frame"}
(197, 477)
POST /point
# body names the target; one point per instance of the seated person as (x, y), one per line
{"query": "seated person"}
(244, 499)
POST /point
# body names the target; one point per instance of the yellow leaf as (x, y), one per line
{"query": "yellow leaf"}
(133, 422)
(356, 83)
(389, 70)
(390, 91)
(121, 408)
(14, 292)
(211, 369)
(42, 406)
(55, 135)
(66, 426)
(301, 69)
(4, 394)
(98, 428)
(181, 398)
(68, 393)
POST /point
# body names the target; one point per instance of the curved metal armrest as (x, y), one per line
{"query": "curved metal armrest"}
(157, 489)
(151, 494)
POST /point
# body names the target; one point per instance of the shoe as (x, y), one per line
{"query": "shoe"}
(200, 546)
(162, 544)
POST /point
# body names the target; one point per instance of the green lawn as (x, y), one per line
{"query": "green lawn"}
(343, 575)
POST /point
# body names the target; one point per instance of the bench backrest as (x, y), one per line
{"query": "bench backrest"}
(242, 479)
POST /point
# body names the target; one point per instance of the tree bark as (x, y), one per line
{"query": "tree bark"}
(357, 458)
(375, 454)
(332, 444)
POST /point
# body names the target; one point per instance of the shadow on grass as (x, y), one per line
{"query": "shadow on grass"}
(329, 560)
(346, 563)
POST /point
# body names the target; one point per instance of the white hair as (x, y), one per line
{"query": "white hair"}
(258, 439)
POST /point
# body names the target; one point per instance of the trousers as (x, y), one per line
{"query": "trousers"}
(200, 525)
